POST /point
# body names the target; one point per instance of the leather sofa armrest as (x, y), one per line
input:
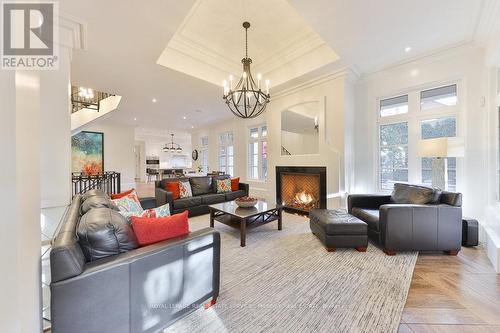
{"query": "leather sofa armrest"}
(424, 227)
(373, 201)
(162, 197)
(245, 187)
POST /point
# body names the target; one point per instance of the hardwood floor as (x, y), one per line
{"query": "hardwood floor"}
(448, 293)
(453, 294)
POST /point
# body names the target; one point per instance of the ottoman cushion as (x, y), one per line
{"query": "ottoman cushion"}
(337, 222)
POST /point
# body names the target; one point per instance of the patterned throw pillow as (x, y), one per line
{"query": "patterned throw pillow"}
(129, 203)
(224, 185)
(185, 190)
(161, 211)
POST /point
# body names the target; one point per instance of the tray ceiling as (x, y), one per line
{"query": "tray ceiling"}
(210, 42)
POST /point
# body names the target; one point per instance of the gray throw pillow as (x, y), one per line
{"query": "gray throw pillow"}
(412, 194)
(104, 232)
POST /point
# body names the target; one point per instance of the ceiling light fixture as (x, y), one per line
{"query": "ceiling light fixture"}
(246, 99)
(154, 100)
(184, 117)
(407, 49)
(172, 147)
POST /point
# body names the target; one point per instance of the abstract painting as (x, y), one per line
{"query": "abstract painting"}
(87, 153)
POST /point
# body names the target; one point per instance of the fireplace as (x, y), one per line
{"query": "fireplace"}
(300, 189)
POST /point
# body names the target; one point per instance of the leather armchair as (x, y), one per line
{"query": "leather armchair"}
(143, 290)
(435, 226)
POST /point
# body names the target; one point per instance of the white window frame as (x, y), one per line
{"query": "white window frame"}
(414, 117)
(260, 140)
(204, 153)
(226, 140)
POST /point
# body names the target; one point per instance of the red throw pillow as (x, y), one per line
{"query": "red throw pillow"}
(235, 184)
(122, 194)
(152, 230)
(174, 188)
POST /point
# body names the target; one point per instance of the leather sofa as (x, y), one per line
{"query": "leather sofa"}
(413, 217)
(204, 194)
(142, 290)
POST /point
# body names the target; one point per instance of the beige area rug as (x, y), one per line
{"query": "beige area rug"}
(285, 281)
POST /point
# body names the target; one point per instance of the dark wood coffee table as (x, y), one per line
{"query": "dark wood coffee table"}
(245, 218)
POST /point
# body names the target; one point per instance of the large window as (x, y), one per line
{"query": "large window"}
(257, 153)
(393, 154)
(406, 119)
(438, 128)
(226, 153)
(204, 153)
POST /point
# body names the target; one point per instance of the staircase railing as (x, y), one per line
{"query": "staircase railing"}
(108, 182)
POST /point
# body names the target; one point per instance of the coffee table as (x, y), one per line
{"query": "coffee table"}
(245, 218)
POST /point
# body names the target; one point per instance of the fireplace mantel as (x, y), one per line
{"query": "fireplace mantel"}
(301, 188)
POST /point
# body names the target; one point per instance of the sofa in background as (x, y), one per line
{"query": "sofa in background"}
(204, 194)
(411, 218)
(142, 290)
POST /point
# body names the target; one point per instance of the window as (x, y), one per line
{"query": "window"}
(226, 153)
(438, 97)
(393, 154)
(257, 153)
(438, 128)
(394, 106)
(204, 153)
(406, 119)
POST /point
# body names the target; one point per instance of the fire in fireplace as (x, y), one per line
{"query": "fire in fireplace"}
(300, 189)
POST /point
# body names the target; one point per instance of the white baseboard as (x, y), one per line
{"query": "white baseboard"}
(492, 243)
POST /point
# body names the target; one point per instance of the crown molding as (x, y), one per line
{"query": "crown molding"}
(422, 59)
(345, 71)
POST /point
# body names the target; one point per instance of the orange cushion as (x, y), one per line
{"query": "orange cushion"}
(152, 230)
(235, 184)
(174, 188)
(122, 194)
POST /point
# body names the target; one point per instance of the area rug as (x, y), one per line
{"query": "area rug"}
(285, 281)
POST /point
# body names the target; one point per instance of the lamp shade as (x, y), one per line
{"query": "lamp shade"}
(441, 147)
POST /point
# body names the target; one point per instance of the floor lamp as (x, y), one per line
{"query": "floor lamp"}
(439, 149)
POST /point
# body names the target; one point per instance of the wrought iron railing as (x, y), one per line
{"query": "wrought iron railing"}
(80, 102)
(108, 182)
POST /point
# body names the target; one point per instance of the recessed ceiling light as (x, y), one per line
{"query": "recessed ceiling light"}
(154, 100)
(135, 118)
(192, 126)
(184, 117)
(407, 49)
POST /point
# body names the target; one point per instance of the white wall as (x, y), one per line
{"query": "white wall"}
(329, 91)
(55, 133)
(118, 150)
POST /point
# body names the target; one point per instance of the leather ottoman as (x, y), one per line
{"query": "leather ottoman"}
(336, 228)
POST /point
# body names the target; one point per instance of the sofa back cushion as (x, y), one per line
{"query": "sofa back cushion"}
(451, 198)
(414, 194)
(201, 185)
(103, 232)
(93, 193)
(97, 202)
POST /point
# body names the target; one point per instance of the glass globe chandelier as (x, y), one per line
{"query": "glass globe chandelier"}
(172, 147)
(246, 99)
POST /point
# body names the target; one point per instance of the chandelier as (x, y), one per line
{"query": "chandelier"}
(172, 147)
(246, 99)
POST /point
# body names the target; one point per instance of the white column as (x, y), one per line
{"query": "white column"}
(20, 308)
(55, 134)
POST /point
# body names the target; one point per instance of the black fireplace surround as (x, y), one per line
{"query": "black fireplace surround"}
(301, 170)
